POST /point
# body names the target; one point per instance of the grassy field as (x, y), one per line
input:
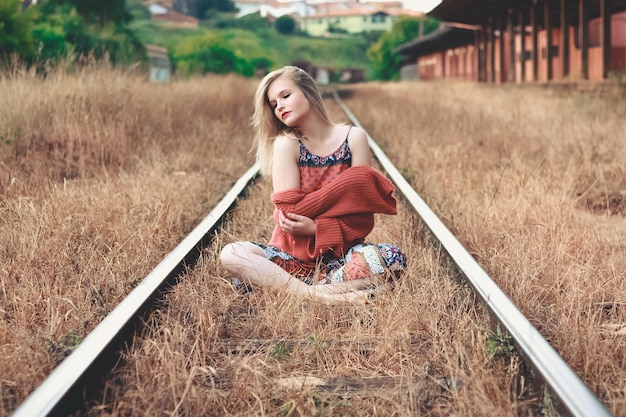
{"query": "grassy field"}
(102, 174)
(533, 182)
(338, 53)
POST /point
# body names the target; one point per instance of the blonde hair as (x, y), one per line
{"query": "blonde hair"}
(267, 126)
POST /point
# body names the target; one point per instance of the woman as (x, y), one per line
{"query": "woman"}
(325, 195)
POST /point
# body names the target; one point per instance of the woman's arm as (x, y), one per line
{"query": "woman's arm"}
(359, 147)
(356, 190)
(286, 176)
(285, 173)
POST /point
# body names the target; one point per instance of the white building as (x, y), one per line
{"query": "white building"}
(274, 8)
(318, 17)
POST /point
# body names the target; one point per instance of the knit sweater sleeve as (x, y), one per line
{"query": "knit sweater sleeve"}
(359, 189)
(328, 235)
(335, 233)
(343, 212)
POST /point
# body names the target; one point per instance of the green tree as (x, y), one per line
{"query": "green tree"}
(386, 63)
(63, 32)
(252, 22)
(99, 12)
(210, 52)
(137, 10)
(15, 29)
(204, 6)
(57, 32)
(285, 25)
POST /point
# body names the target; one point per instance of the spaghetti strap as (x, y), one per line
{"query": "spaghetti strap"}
(349, 129)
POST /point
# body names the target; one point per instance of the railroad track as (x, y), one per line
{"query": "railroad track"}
(64, 386)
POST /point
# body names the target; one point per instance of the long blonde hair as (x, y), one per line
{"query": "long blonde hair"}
(267, 126)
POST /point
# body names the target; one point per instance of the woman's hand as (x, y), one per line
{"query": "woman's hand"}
(295, 224)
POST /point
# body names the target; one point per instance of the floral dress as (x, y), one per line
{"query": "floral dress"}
(360, 261)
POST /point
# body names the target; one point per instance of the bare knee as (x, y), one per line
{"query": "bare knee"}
(226, 253)
(237, 255)
(229, 258)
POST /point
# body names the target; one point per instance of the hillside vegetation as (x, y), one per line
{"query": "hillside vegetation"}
(263, 45)
(66, 32)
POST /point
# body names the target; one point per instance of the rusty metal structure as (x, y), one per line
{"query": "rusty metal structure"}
(522, 41)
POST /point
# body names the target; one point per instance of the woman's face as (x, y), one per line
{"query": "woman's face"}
(288, 101)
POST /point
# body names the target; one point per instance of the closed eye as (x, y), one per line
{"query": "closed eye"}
(274, 104)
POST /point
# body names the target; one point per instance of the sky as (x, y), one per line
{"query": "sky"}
(421, 5)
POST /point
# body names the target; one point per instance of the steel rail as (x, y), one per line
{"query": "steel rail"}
(574, 394)
(564, 382)
(47, 397)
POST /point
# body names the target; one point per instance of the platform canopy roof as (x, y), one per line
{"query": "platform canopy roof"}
(448, 36)
(478, 12)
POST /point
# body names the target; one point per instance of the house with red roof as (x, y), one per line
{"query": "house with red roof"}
(161, 13)
(354, 20)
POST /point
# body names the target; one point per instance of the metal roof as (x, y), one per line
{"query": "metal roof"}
(478, 12)
(446, 37)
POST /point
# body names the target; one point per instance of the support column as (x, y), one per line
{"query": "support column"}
(535, 56)
(583, 37)
(492, 51)
(605, 6)
(502, 63)
(477, 54)
(485, 59)
(564, 39)
(480, 51)
(443, 64)
(511, 30)
(549, 49)
(463, 54)
(522, 54)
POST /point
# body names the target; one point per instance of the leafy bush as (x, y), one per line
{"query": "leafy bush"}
(57, 30)
(213, 52)
(285, 25)
(138, 11)
(385, 62)
(98, 12)
(207, 6)
(251, 22)
(61, 33)
(15, 29)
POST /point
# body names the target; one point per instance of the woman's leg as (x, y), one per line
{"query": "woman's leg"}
(369, 264)
(248, 262)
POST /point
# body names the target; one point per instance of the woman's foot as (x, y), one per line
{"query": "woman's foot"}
(352, 297)
(328, 295)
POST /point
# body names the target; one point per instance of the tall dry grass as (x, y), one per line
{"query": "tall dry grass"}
(210, 351)
(101, 175)
(509, 171)
(534, 184)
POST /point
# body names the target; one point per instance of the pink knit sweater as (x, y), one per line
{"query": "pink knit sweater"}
(343, 211)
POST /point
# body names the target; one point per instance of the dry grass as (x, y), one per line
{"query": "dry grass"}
(214, 352)
(510, 172)
(101, 175)
(528, 180)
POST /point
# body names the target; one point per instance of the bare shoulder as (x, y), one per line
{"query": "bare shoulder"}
(357, 135)
(286, 145)
(285, 172)
(359, 147)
